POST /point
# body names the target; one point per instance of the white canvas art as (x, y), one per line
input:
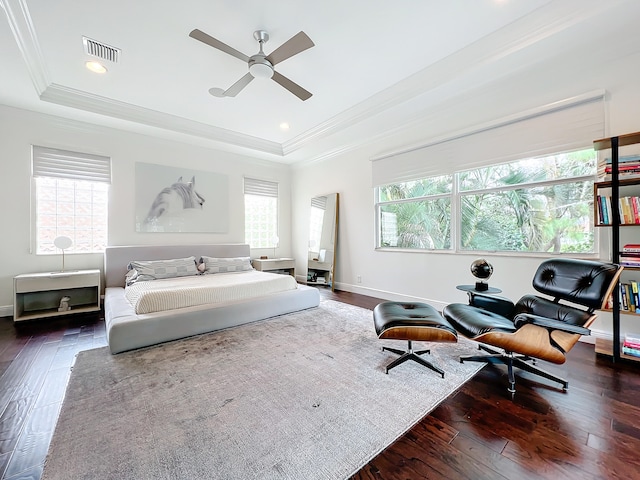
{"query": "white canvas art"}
(174, 199)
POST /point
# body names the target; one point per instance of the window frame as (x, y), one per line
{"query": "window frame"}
(456, 196)
(266, 188)
(72, 166)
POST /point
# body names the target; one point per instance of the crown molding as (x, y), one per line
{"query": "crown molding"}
(70, 97)
(27, 40)
(487, 51)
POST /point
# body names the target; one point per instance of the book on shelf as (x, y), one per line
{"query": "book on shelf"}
(630, 351)
(628, 167)
(628, 210)
(631, 344)
(632, 338)
(635, 346)
(631, 248)
(631, 301)
(624, 305)
(629, 262)
(621, 176)
(628, 298)
(623, 159)
(633, 285)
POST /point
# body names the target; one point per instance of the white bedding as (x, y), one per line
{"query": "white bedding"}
(172, 293)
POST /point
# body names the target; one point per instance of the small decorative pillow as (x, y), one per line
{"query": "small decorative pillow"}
(224, 265)
(157, 269)
(131, 277)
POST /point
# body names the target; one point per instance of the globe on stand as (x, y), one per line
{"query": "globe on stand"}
(481, 269)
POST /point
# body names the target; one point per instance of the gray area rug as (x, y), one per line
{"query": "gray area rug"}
(301, 396)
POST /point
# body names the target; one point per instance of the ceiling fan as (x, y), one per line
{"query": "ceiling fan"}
(260, 65)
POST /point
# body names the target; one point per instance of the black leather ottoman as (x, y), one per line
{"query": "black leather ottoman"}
(411, 321)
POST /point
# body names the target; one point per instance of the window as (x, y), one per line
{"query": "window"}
(522, 183)
(416, 214)
(71, 191)
(534, 205)
(260, 213)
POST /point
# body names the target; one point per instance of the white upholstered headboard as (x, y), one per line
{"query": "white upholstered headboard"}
(117, 258)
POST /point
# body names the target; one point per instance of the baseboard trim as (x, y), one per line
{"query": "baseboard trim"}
(6, 310)
(390, 296)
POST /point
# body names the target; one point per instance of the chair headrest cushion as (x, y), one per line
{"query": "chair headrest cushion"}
(584, 282)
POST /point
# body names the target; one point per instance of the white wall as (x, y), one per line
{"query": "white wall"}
(21, 129)
(432, 277)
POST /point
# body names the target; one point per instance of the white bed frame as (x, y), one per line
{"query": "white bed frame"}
(127, 331)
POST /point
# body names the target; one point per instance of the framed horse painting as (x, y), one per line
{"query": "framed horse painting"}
(174, 199)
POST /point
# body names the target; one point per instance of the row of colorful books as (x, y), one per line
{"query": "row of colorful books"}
(631, 344)
(628, 167)
(628, 210)
(627, 296)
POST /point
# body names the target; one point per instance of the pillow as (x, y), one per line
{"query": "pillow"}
(156, 269)
(224, 265)
(131, 277)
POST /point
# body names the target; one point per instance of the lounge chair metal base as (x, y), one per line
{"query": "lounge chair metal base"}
(513, 360)
(410, 355)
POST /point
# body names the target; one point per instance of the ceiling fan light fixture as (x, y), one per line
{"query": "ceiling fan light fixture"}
(260, 65)
(260, 68)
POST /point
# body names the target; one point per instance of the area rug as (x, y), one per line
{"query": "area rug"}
(300, 396)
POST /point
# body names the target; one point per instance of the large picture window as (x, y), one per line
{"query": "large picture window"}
(537, 205)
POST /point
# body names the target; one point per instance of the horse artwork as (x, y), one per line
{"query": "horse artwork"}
(177, 197)
(164, 204)
(175, 207)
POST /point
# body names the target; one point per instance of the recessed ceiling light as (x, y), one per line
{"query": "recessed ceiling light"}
(284, 126)
(96, 67)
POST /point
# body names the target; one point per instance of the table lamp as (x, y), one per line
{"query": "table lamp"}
(62, 243)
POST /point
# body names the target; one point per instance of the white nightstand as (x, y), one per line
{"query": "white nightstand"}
(40, 295)
(271, 264)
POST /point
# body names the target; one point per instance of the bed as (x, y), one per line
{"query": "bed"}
(128, 330)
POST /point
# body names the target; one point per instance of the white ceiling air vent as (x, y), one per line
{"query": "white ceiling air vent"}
(101, 50)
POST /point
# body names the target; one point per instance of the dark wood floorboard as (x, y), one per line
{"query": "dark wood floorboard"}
(592, 431)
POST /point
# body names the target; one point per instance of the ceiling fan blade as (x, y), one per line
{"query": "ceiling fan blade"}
(294, 88)
(209, 40)
(234, 89)
(296, 44)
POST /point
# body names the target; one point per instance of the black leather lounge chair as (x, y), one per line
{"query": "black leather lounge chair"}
(537, 327)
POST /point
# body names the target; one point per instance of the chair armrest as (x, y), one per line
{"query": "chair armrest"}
(549, 323)
(500, 305)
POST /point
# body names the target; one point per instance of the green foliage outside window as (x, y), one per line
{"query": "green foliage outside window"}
(533, 205)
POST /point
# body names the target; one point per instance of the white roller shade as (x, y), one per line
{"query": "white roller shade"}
(264, 188)
(52, 162)
(563, 126)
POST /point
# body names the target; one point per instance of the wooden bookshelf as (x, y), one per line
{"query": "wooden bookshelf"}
(614, 347)
(623, 141)
(605, 347)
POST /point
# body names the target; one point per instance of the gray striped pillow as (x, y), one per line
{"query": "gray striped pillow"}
(224, 265)
(157, 269)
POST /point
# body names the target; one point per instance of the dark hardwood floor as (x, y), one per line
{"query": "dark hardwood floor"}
(592, 431)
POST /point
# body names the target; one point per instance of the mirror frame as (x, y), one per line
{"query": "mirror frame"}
(332, 270)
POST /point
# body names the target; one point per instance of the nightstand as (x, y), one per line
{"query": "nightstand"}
(51, 294)
(275, 264)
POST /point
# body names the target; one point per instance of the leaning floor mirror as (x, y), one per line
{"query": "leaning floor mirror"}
(323, 237)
